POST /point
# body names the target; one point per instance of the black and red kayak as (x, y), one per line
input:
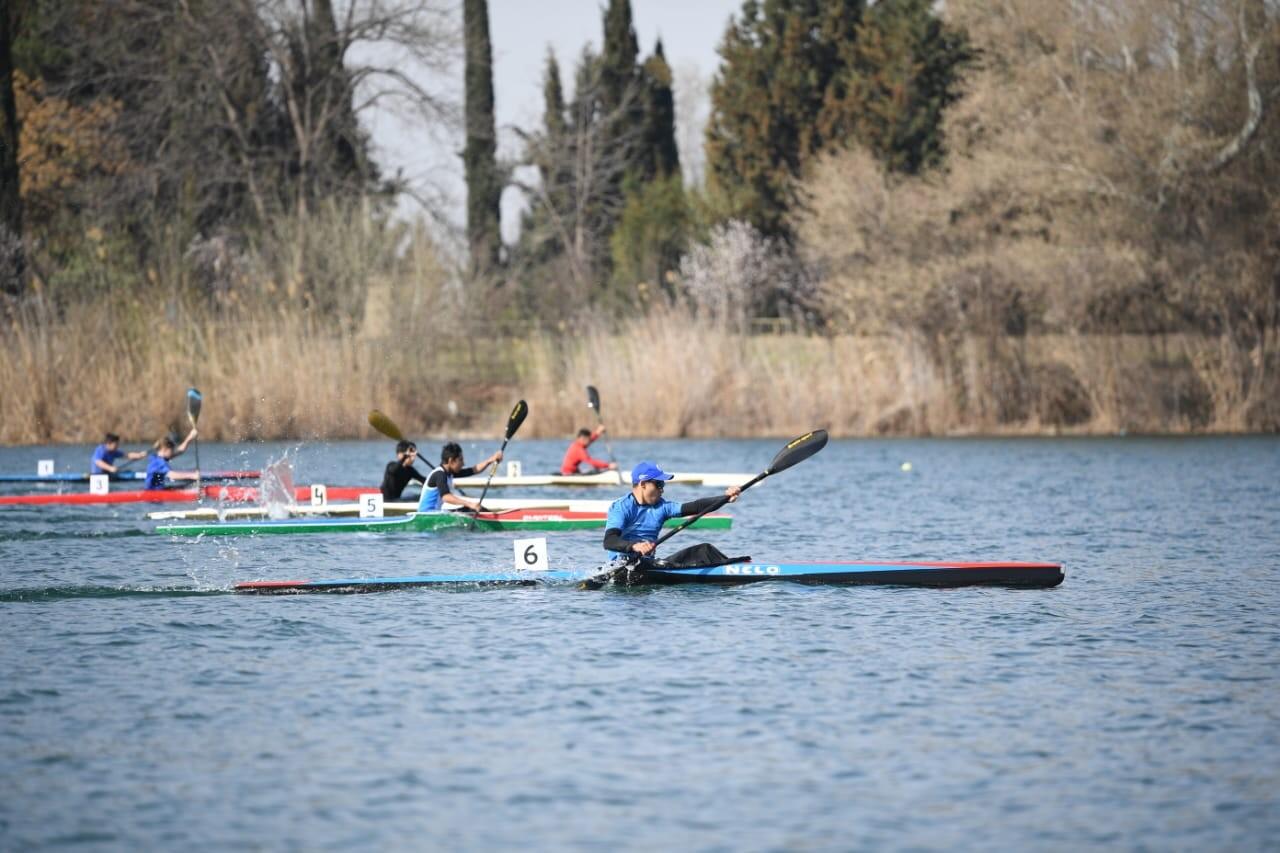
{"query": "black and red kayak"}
(931, 574)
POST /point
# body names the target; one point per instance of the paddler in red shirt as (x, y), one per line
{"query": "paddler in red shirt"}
(577, 454)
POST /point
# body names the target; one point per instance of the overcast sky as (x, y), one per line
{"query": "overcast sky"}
(521, 32)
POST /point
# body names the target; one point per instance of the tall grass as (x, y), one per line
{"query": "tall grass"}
(69, 377)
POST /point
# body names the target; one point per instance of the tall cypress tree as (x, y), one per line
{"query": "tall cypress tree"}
(484, 186)
(12, 260)
(618, 70)
(660, 157)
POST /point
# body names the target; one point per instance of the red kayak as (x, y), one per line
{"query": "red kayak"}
(231, 494)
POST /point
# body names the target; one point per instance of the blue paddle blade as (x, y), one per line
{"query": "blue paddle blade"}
(193, 405)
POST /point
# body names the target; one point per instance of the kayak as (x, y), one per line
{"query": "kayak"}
(418, 522)
(234, 494)
(600, 478)
(930, 574)
(119, 477)
(209, 513)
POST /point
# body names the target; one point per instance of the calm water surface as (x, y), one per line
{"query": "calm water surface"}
(1136, 706)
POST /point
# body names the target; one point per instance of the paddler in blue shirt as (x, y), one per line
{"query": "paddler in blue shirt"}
(106, 454)
(635, 521)
(159, 475)
(438, 490)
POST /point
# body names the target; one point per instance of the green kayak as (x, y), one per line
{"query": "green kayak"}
(516, 519)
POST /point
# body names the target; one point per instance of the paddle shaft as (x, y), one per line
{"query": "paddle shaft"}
(593, 400)
(518, 414)
(673, 531)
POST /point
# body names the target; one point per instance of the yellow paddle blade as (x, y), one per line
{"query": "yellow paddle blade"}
(385, 425)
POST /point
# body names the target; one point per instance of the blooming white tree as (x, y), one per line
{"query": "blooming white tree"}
(739, 274)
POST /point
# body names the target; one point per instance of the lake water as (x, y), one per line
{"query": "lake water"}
(1137, 706)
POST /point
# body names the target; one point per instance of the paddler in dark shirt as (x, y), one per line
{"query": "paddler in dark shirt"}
(439, 488)
(635, 521)
(399, 473)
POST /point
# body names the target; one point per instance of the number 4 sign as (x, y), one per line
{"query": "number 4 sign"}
(531, 555)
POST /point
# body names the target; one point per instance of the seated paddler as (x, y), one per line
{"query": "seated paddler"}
(635, 520)
(439, 491)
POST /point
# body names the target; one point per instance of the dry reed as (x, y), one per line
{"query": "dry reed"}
(70, 378)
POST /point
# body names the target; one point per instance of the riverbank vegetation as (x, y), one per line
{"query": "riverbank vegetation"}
(1027, 218)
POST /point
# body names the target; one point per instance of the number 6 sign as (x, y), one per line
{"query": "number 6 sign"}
(531, 555)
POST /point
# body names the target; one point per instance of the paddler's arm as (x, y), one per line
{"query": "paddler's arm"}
(613, 541)
(458, 500)
(181, 448)
(709, 504)
(492, 460)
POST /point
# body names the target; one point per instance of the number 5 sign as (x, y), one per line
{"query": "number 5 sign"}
(371, 505)
(531, 555)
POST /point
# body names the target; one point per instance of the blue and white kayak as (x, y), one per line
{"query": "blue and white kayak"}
(934, 574)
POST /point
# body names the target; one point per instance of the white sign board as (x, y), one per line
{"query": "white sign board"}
(319, 494)
(99, 484)
(531, 555)
(513, 468)
(44, 468)
(371, 505)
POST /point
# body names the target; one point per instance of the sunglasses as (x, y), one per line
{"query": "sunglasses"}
(658, 483)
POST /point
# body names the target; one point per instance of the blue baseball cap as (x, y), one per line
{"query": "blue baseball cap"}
(648, 471)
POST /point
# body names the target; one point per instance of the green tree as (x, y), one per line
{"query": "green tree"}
(778, 60)
(12, 258)
(899, 75)
(658, 156)
(652, 234)
(484, 184)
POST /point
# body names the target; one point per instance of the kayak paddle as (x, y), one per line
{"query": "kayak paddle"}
(796, 451)
(593, 402)
(194, 401)
(385, 425)
(518, 414)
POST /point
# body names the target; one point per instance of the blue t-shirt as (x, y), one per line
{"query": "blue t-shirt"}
(157, 472)
(107, 456)
(639, 522)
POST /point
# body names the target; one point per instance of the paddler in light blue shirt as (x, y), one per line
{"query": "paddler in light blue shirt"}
(106, 454)
(636, 520)
(159, 474)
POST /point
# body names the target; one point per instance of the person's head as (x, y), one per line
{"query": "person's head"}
(451, 457)
(406, 451)
(584, 437)
(648, 482)
(165, 448)
(111, 440)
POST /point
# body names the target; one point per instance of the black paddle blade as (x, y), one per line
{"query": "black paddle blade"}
(593, 398)
(385, 425)
(798, 450)
(518, 414)
(194, 400)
